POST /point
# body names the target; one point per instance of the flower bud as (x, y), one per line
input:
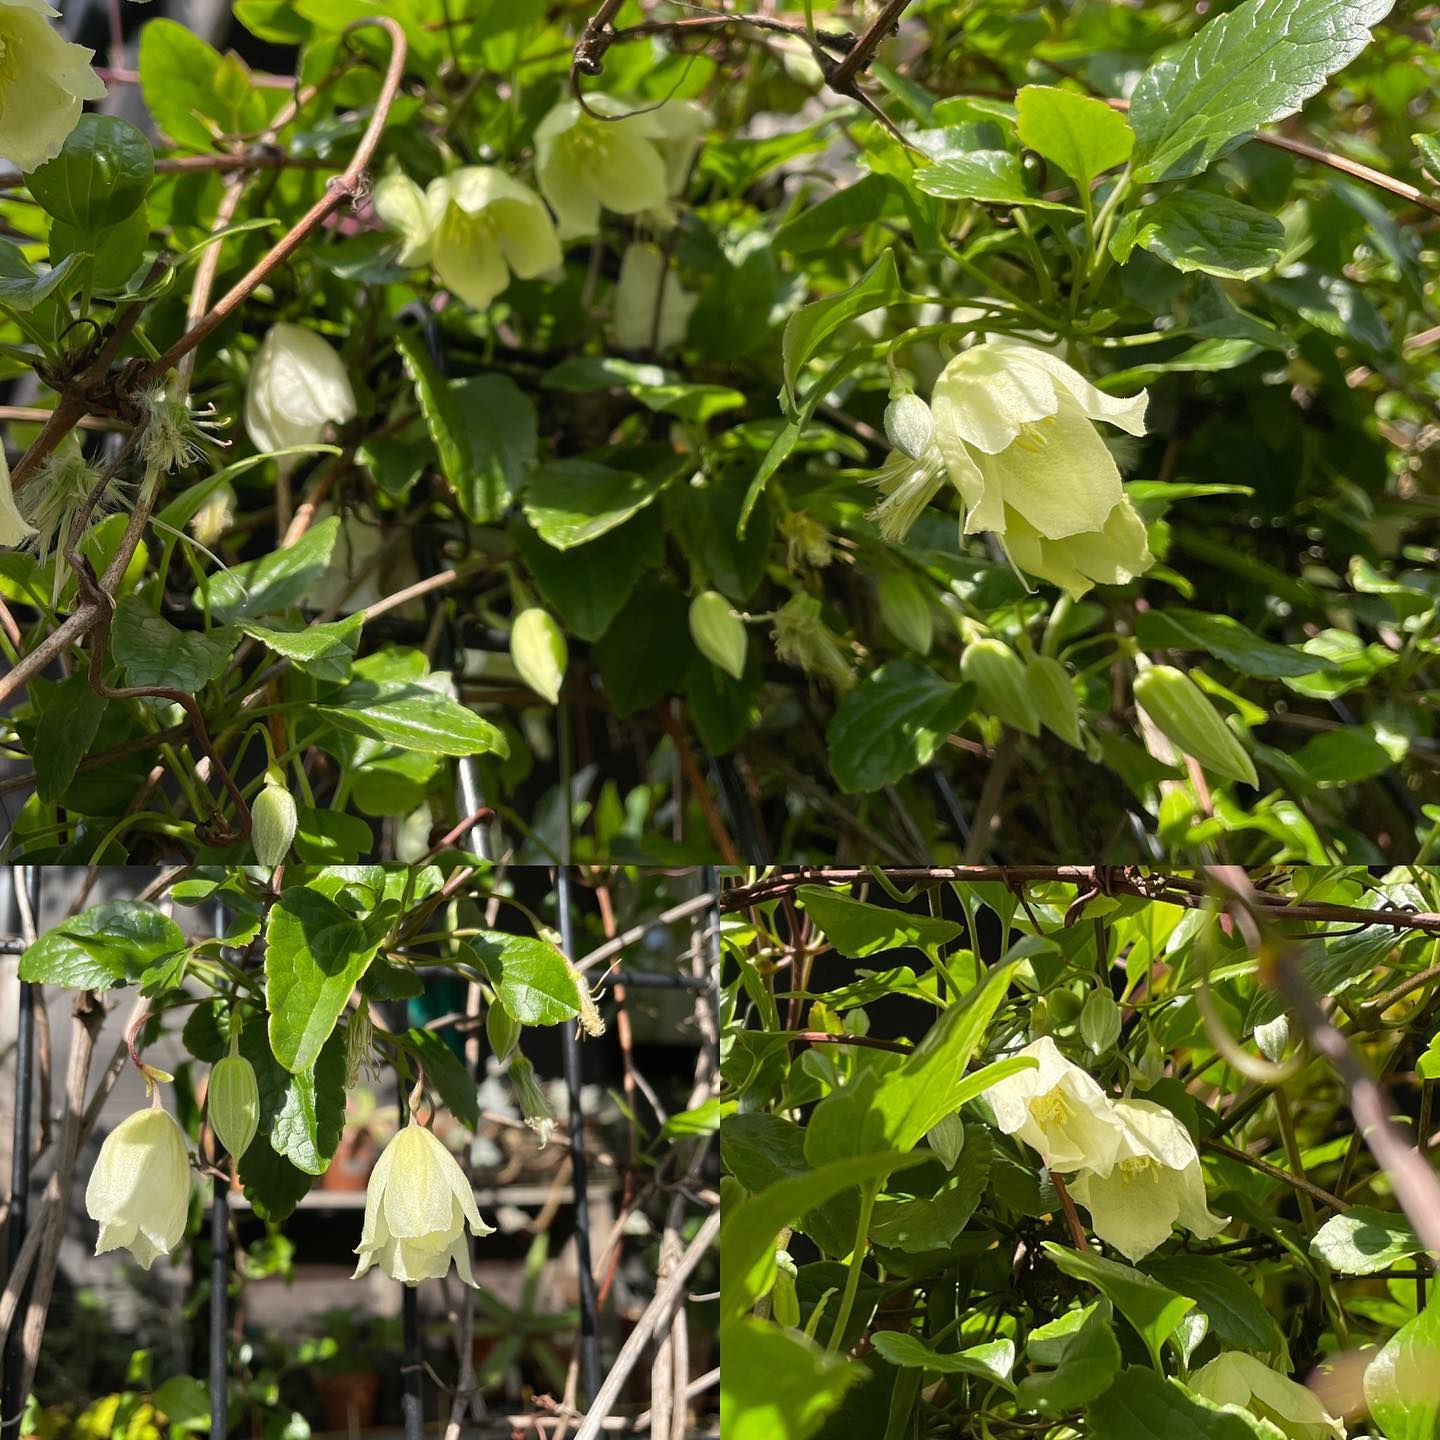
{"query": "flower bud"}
(139, 1191)
(1053, 698)
(1273, 1038)
(905, 611)
(233, 1098)
(1179, 710)
(272, 822)
(998, 673)
(909, 425)
(648, 308)
(215, 516)
(531, 1098)
(1100, 1021)
(947, 1139)
(538, 649)
(502, 1030)
(417, 1206)
(298, 386)
(785, 1298)
(718, 632)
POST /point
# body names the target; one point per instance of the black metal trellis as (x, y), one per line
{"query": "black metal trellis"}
(12, 1398)
(219, 1285)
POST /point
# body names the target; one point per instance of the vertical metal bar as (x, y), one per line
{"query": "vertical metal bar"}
(220, 1286)
(412, 1398)
(589, 1343)
(12, 1402)
(711, 880)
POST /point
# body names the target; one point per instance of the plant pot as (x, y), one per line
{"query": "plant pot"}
(348, 1400)
(354, 1159)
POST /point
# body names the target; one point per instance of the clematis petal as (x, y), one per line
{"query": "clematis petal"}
(402, 205)
(417, 1199)
(43, 84)
(1111, 556)
(1125, 412)
(1235, 1378)
(14, 528)
(467, 259)
(1132, 1210)
(985, 398)
(139, 1190)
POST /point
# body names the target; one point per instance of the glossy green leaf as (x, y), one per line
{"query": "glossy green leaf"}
(109, 944)
(530, 976)
(993, 177)
(1080, 134)
(1200, 230)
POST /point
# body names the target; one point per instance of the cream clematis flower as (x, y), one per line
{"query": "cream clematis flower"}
(14, 528)
(298, 387)
(139, 1191)
(1240, 1380)
(44, 80)
(647, 285)
(630, 164)
(1059, 1110)
(416, 1210)
(476, 226)
(1156, 1183)
(1013, 431)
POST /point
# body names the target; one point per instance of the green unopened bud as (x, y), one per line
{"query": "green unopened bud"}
(233, 1098)
(502, 1030)
(531, 1098)
(1179, 710)
(909, 425)
(998, 674)
(1100, 1021)
(947, 1139)
(1053, 698)
(785, 1298)
(1151, 1065)
(1273, 1038)
(272, 821)
(906, 612)
(718, 632)
(538, 649)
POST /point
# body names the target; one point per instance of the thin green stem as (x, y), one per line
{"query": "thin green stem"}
(857, 1259)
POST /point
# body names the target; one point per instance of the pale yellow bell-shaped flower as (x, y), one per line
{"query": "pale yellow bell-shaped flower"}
(477, 226)
(584, 164)
(1059, 1110)
(298, 387)
(1155, 1184)
(44, 80)
(139, 1190)
(14, 528)
(647, 285)
(1015, 425)
(1241, 1381)
(416, 1209)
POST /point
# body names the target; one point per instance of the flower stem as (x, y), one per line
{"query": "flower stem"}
(857, 1259)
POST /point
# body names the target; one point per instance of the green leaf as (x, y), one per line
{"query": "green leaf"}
(857, 929)
(991, 1361)
(1400, 1381)
(776, 1384)
(1363, 1241)
(994, 177)
(324, 651)
(571, 502)
(1176, 628)
(106, 945)
(440, 406)
(1153, 1310)
(1257, 63)
(315, 953)
(1343, 757)
(531, 976)
(1082, 135)
(851, 208)
(748, 1230)
(69, 719)
(195, 93)
(151, 651)
(653, 386)
(1142, 1405)
(502, 437)
(643, 656)
(813, 324)
(445, 1073)
(1200, 230)
(893, 722)
(416, 715)
(302, 1115)
(1220, 1291)
(892, 1109)
(274, 581)
(21, 287)
(1083, 1357)
(914, 1224)
(99, 179)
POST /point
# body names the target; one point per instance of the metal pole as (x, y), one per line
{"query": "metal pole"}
(12, 1402)
(711, 879)
(220, 1285)
(412, 1398)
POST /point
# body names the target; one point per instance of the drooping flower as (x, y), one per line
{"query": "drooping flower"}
(1240, 1380)
(14, 528)
(531, 1098)
(1155, 1184)
(648, 308)
(1014, 426)
(1059, 1110)
(416, 1209)
(630, 162)
(44, 81)
(476, 226)
(139, 1191)
(298, 386)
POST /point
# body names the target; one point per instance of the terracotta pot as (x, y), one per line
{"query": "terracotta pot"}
(348, 1400)
(354, 1159)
